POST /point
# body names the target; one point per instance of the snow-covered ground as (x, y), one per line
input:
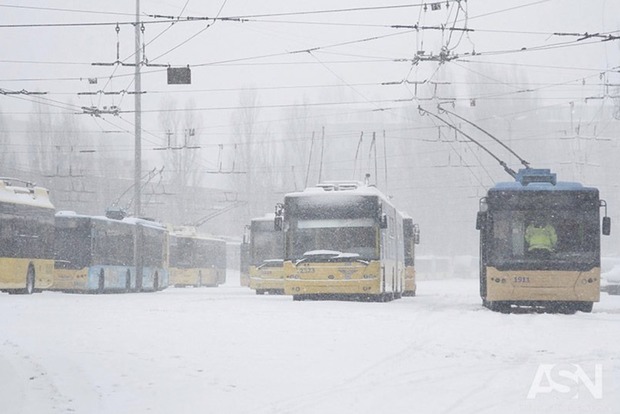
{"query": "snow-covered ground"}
(226, 350)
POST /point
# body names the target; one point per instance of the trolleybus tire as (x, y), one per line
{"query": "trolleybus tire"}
(128, 281)
(502, 307)
(101, 282)
(30, 281)
(584, 306)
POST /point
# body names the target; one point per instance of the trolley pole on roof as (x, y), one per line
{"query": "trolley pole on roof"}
(138, 118)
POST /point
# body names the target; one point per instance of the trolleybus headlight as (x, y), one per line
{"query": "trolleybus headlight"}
(368, 277)
(330, 276)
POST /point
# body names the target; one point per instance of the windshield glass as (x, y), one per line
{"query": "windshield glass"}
(266, 245)
(543, 236)
(343, 235)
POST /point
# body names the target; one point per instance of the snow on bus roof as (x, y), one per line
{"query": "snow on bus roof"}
(191, 232)
(31, 196)
(343, 188)
(266, 217)
(144, 222)
(559, 186)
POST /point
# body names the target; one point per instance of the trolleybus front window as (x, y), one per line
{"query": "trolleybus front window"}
(530, 235)
(343, 235)
(266, 246)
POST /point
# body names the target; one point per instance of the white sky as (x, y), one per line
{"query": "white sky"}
(344, 60)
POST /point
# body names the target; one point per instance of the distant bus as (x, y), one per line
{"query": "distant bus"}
(26, 237)
(196, 260)
(342, 240)
(98, 254)
(540, 244)
(244, 259)
(411, 238)
(266, 251)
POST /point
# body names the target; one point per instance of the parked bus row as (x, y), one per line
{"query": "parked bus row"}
(41, 249)
(342, 240)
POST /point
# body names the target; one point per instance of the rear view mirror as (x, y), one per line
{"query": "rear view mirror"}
(606, 226)
(277, 223)
(480, 219)
(384, 222)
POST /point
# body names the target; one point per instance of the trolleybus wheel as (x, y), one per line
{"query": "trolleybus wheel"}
(502, 307)
(128, 281)
(101, 282)
(584, 306)
(29, 281)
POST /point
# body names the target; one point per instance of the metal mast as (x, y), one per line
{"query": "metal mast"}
(138, 118)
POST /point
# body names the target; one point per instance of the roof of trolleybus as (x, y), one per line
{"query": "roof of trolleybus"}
(563, 195)
(316, 203)
(28, 196)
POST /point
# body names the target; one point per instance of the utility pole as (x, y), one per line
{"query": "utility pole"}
(138, 118)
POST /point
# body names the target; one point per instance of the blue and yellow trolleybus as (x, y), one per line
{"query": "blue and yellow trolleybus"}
(196, 260)
(26, 237)
(266, 251)
(342, 240)
(100, 254)
(540, 244)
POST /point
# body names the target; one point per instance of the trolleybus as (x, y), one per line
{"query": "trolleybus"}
(26, 237)
(266, 251)
(196, 260)
(540, 244)
(100, 254)
(342, 240)
(411, 238)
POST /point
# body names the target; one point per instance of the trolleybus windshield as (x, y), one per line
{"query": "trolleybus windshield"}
(266, 245)
(345, 235)
(557, 238)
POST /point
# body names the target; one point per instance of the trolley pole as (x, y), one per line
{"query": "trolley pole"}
(138, 118)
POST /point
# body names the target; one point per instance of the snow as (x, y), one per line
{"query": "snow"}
(612, 276)
(227, 350)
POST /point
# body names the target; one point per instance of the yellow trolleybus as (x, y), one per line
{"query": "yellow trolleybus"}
(540, 244)
(411, 238)
(196, 260)
(266, 251)
(342, 240)
(26, 237)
